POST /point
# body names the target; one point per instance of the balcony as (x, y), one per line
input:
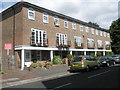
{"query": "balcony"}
(108, 47)
(64, 45)
(77, 46)
(45, 44)
(91, 46)
(100, 47)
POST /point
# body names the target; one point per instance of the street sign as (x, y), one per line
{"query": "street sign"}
(8, 46)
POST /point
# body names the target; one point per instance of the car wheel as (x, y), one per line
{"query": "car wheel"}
(87, 69)
(108, 65)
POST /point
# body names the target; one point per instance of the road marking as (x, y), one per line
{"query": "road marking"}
(61, 86)
(98, 74)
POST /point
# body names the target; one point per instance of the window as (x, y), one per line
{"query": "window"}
(45, 18)
(100, 33)
(81, 27)
(104, 34)
(92, 31)
(108, 35)
(56, 21)
(91, 43)
(99, 43)
(31, 14)
(39, 37)
(74, 25)
(61, 39)
(87, 30)
(66, 24)
(78, 41)
(96, 32)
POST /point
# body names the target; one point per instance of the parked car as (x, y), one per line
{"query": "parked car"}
(84, 63)
(106, 61)
(116, 58)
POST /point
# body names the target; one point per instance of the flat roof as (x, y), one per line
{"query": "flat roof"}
(55, 14)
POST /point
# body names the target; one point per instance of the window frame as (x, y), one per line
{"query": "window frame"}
(81, 26)
(45, 15)
(74, 25)
(65, 22)
(58, 21)
(31, 10)
(87, 29)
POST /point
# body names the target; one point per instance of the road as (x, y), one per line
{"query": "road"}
(106, 77)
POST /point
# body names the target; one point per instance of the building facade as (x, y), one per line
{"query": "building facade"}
(36, 33)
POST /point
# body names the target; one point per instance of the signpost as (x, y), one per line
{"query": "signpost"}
(8, 47)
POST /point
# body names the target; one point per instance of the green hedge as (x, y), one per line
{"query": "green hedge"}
(57, 60)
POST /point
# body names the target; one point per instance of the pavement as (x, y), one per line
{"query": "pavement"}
(18, 77)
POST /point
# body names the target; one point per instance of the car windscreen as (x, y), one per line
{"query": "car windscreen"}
(77, 59)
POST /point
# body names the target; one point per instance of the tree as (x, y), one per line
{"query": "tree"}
(93, 24)
(115, 36)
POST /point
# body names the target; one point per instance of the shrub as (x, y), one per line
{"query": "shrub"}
(109, 53)
(35, 65)
(99, 54)
(69, 56)
(1, 72)
(57, 60)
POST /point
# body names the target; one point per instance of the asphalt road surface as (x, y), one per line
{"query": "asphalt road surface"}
(106, 77)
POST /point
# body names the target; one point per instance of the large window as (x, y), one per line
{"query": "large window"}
(61, 39)
(78, 41)
(56, 21)
(31, 14)
(65, 23)
(45, 18)
(74, 25)
(100, 45)
(38, 38)
(91, 43)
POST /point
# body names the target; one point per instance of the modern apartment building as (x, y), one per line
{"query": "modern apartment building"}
(38, 33)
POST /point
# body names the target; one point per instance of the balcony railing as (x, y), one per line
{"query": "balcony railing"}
(108, 47)
(91, 46)
(64, 45)
(77, 46)
(45, 44)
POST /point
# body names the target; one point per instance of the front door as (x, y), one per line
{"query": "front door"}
(27, 58)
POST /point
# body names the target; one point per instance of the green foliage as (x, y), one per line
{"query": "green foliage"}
(49, 63)
(99, 54)
(93, 55)
(109, 53)
(1, 72)
(93, 24)
(69, 56)
(115, 36)
(57, 60)
(35, 65)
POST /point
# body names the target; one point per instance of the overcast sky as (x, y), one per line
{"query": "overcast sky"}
(102, 12)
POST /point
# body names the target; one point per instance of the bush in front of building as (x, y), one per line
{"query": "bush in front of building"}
(48, 64)
(57, 60)
(69, 56)
(35, 65)
(109, 53)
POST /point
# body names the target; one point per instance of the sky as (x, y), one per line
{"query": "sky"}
(102, 12)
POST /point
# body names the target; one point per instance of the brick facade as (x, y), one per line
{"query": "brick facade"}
(16, 28)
